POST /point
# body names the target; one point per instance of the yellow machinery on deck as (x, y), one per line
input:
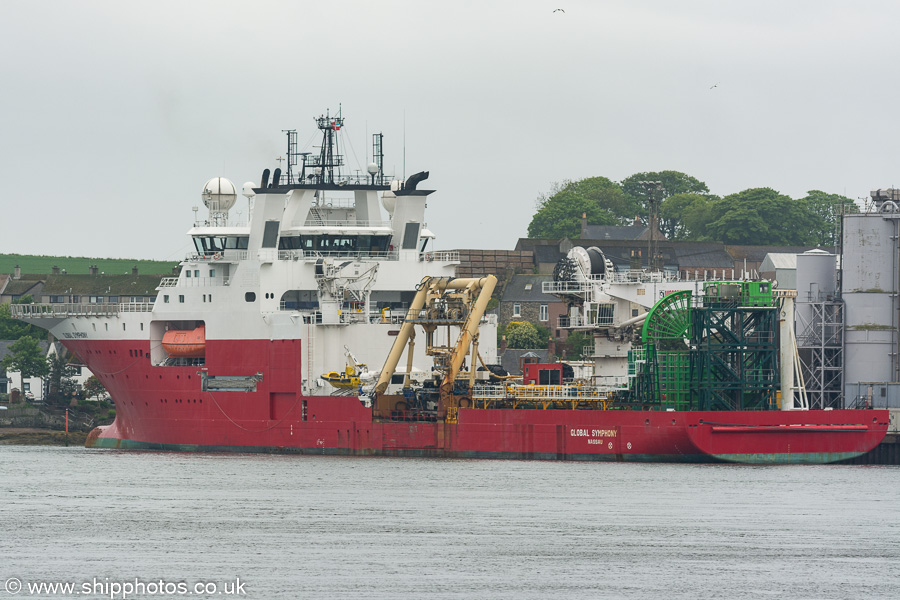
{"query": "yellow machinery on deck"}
(441, 302)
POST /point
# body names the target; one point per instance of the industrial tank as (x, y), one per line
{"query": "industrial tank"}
(816, 282)
(818, 327)
(869, 290)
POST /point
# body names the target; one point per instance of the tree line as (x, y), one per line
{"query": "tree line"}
(688, 212)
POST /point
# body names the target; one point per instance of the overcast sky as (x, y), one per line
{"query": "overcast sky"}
(114, 114)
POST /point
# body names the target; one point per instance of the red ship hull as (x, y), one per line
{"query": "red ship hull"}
(164, 408)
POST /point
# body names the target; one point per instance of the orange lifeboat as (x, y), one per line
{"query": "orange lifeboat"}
(180, 343)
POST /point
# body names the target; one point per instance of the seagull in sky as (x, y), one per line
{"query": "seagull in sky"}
(559, 10)
(715, 85)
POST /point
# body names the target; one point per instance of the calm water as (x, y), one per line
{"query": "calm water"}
(325, 527)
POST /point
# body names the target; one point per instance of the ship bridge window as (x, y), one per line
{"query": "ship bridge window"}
(289, 243)
(212, 244)
(365, 244)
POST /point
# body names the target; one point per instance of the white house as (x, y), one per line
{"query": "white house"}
(34, 385)
(13, 380)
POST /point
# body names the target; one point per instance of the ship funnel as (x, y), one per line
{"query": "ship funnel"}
(415, 179)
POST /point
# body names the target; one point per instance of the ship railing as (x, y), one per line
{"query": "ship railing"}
(567, 321)
(638, 276)
(444, 317)
(63, 310)
(440, 256)
(645, 276)
(345, 223)
(567, 287)
(168, 282)
(312, 255)
(543, 392)
(135, 307)
(489, 391)
(220, 255)
(390, 318)
(388, 255)
(325, 203)
(209, 223)
(642, 276)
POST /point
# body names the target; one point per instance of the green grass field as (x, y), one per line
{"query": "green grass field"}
(43, 265)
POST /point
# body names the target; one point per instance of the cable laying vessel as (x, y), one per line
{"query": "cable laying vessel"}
(230, 355)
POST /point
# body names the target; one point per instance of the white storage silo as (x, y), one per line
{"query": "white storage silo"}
(869, 290)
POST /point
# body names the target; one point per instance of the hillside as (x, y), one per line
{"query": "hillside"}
(32, 264)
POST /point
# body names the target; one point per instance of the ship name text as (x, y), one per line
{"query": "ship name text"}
(592, 433)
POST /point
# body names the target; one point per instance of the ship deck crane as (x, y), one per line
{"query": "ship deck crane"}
(443, 302)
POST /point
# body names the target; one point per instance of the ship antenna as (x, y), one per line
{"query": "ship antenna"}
(329, 155)
(404, 144)
(651, 188)
(378, 156)
(292, 153)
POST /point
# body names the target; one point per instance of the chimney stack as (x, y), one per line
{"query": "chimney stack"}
(17, 273)
(93, 269)
(55, 270)
(134, 270)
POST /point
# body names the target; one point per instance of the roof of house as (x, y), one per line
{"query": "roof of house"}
(511, 359)
(613, 232)
(23, 285)
(778, 260)
(527, 288)
(100, 284)
(701, 254)
(547, 254)
(758, 253)
(625, 253)
(4, 278)
(531, 243)
(5, 344)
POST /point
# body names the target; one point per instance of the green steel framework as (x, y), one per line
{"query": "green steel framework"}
(716, 352)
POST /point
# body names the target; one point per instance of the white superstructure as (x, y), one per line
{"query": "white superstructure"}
(329, 260)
